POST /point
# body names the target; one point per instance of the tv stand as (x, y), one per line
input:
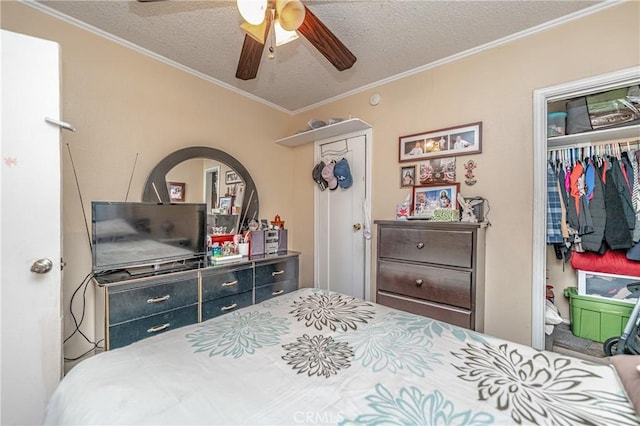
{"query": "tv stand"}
(136, 303)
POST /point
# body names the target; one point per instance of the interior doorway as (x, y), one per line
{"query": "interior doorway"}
(211, 187)
(342, 223)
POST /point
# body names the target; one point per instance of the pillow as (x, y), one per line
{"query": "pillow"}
(627, 368)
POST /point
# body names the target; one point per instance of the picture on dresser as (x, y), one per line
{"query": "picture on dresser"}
(447, 142)
(428, 198)
(225, 204)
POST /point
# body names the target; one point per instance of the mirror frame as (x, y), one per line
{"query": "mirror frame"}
(250, 204)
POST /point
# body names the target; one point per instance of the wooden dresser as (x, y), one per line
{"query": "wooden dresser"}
(435, 269)
(130, 309)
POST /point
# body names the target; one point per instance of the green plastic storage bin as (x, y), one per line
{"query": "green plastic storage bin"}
(594, 318)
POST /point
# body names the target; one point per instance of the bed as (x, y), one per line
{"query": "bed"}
(319, 357)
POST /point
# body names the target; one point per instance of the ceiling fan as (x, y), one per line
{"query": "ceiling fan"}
(277, 22)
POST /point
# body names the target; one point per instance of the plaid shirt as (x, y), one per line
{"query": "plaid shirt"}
(554, 209)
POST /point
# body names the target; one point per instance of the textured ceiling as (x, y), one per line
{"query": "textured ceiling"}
(389, 38)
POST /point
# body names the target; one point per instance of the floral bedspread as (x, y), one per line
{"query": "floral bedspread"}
(318, 357)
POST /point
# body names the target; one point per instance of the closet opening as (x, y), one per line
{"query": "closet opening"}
(580, 271)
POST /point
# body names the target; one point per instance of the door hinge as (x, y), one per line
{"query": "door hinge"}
(62, 264)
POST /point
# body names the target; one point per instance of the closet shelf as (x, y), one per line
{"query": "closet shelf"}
(342, 128)
(604, 135)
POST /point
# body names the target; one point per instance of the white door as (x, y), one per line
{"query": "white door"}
(29, 228)
(342, 228)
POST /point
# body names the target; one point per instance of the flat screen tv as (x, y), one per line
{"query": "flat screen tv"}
(126, 235)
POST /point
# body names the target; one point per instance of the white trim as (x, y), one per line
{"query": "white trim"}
(542, 27)
(492, 44)
(368, 138)
(540, 99)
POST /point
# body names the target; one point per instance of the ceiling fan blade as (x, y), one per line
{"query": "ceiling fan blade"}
(326, 42)
(250, 57)
(251, 54)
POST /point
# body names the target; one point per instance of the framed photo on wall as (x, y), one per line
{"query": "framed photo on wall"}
(427, 198)
(176, 191)
(231, 177)
(407, 176)
(449, 142)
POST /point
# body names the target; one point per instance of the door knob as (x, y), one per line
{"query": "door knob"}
(41, 266)
(357, 227)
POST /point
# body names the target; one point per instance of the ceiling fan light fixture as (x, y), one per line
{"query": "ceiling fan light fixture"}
(283, 36)
(257, 32)
(290, 14)
(252, 11)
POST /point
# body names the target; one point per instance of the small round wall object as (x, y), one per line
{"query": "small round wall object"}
(374, 99)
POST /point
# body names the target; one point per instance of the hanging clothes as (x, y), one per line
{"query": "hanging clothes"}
(572, 212)
(635, 193)
(616, 231)
(594, 240)
(554, 210)
(624, 192)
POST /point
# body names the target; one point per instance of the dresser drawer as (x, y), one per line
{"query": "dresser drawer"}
(224, 305)
(275, 289)
(131, 331)
(149, 299)
(284, 270)
(445, 247)
(442, 285)
(225, 283)
(447, 314)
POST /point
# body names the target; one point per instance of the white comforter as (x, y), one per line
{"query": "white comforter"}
(316, 357)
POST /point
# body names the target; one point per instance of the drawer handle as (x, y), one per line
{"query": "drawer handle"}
(273, 274)
(419, 283)
(158, 328)
(230, 283)
(277, 293)
(228, 308)
(159, 299)
(420, 245)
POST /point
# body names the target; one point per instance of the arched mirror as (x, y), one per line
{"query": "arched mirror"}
(206, 175)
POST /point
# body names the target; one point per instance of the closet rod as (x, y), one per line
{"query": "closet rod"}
(621, 142)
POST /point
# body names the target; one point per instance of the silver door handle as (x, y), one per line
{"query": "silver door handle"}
(230, 283)
(273, 274)
(277, 293)
(41, 266)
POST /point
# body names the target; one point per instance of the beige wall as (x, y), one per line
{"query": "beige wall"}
(495, 87)
(124, 103)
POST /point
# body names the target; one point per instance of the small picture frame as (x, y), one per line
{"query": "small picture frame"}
(428, 198)
(231, 177)
(225, 204)
(448, 142)
(176, 191)
(407, 176)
